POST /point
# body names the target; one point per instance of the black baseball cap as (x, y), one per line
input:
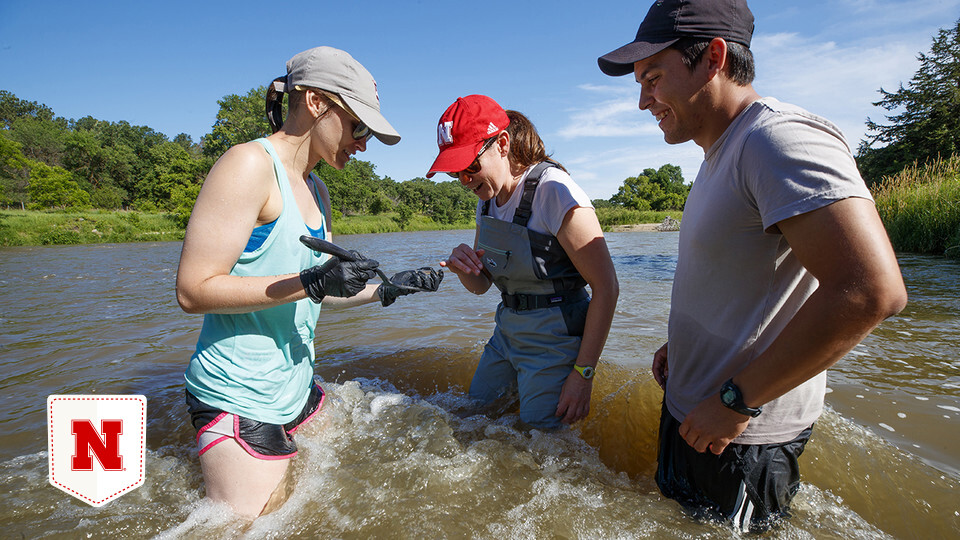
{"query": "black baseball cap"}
(670, 20)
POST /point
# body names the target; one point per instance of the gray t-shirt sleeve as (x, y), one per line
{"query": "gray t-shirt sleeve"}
(794, 164)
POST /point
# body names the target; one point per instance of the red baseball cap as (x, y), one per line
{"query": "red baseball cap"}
(463, 128)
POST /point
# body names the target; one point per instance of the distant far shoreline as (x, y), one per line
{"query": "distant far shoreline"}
(40, 228)
(636, 227)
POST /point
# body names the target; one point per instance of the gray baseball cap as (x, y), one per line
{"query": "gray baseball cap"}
(337, 72)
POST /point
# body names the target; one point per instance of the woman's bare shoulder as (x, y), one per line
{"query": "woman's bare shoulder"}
(243, 165)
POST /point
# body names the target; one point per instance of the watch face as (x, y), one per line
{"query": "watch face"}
(728, 396)
(588, 372)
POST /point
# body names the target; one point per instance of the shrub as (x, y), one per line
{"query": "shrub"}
(920, 207)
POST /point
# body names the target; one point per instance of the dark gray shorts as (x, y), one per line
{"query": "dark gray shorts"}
(749, 485)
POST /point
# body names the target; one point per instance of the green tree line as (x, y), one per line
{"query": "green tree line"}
(49, 162)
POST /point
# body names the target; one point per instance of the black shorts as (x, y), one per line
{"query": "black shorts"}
(259, 439)
(750, 485)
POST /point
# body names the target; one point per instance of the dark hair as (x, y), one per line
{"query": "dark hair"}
(739, 58)
(274, 103)
(526, 146)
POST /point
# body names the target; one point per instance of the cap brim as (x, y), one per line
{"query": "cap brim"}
(620, 61)
(381, 129)
(455, 158)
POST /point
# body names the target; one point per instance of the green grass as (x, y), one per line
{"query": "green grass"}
(611, 217)
(920, 208)
(384, 223)
(37, 228)
(31, 228)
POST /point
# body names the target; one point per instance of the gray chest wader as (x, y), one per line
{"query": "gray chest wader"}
(540, 319)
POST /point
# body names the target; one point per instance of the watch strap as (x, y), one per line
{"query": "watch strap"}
(732, 398)
(587, 372)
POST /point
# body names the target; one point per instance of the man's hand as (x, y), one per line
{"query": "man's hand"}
(711, 426)
(660, 370)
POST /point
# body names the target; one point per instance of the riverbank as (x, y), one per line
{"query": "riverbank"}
(637, 227)
(38, 228)
(66, 227)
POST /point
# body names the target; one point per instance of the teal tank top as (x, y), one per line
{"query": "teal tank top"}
(260, 364)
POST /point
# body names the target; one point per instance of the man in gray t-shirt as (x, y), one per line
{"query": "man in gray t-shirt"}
(784, 265)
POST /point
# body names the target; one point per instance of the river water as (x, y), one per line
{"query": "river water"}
(397, 453)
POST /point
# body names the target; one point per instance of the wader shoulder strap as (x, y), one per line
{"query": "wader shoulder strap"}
(522, 214)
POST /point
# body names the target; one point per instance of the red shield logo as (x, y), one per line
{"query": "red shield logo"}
(96, 445)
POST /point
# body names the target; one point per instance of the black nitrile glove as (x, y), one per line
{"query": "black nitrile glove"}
(338, 278)
(409, 282)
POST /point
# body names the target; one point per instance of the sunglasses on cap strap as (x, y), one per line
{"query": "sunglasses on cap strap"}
(474, 167)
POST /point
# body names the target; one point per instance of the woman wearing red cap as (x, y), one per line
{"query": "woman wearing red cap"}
(538, 240)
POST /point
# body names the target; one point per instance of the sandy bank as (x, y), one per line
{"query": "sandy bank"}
(645, 227)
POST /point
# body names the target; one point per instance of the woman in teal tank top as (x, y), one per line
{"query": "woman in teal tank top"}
(243, 267)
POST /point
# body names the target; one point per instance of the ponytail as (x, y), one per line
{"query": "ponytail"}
(526, 146)
(274, 102)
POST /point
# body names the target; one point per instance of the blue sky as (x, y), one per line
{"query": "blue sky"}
(165, 65)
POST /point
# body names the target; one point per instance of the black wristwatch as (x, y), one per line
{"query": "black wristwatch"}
(732, 398)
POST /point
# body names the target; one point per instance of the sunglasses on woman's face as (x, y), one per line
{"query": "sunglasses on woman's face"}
(361, 132)
(474, 167)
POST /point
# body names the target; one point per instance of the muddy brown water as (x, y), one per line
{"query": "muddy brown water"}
(397, 452)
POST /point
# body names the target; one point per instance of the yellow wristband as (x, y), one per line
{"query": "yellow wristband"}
(586, 372)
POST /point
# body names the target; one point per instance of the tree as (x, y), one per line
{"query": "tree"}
(353, 188)
(182, 200)
(14, 173)
(54, 187)
(637, 192)
(452, 203)
(927, 125)
(113, 158)
(239, 120)
(403, 217)
(655, 189)
(170, 167)
(41, 139)
(669, 178)
(12, 108)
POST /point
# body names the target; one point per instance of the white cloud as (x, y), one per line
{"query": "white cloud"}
(614, 114)
(899, 12)
(839, 82)
(835, 79)
(601, 171)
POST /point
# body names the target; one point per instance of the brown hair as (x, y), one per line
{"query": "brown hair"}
(526, 146)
